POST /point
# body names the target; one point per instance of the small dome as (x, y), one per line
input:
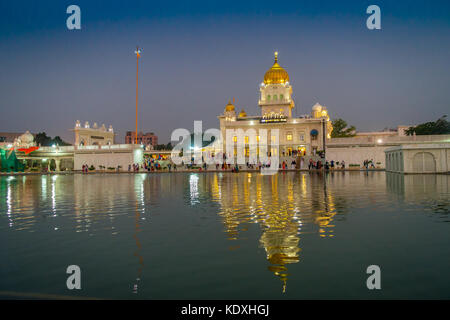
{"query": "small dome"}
(229, 106)
(317, 107)
(27, 137)
(242, 114)
(276, 74)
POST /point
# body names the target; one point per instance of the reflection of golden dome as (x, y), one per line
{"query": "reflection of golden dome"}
(276, 74)
(229, 106)
(242, 114)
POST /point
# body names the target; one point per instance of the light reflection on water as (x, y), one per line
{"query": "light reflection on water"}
(286, 209)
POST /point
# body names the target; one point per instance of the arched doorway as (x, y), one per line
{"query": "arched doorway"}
(424, 162)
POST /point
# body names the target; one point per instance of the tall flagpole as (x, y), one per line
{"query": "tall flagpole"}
(138, 55)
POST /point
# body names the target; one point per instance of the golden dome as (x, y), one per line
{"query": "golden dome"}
(229, 106)
(276, 74)
(242, 114)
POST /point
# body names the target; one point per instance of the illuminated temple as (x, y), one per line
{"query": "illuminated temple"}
(303, 135)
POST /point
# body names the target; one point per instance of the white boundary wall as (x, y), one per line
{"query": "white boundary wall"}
(357, 155)
(113, 156)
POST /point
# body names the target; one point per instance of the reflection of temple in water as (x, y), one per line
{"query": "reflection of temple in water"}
(108, 196)
(417, 186)
(429, 190)
(23, 194)
(283, 205)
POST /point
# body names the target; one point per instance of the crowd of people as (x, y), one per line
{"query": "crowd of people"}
(329, 165)
(151, 165)
(368, 163)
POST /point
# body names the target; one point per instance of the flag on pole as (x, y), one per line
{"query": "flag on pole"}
(138, 52)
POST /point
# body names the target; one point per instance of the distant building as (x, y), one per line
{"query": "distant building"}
(8, 137)
(87, 136)
(12, 139)
(146, 139)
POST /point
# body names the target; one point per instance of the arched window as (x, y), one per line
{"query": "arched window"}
(274, 97)
(424, 162)
(314, 133)
(281, 97)
(268, 97)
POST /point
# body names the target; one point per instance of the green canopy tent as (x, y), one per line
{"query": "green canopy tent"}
(9, 161)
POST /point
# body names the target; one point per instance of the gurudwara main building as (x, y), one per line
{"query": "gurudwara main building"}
(303, 135)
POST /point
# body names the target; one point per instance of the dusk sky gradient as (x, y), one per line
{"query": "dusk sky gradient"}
(199, 54)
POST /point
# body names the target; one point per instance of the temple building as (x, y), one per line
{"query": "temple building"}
(87, 136)
(303, 135)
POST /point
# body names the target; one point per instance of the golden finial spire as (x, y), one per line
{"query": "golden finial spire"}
(276, 56)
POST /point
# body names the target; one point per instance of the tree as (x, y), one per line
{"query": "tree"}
(163, 146)
(45, 141)
(340, 129)
(440, 126)
(42, 139)
(60, 142)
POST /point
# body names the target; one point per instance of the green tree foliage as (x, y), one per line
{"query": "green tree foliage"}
(60, 142)
(441, 126)
(340, 129)
(45, 141)
(163, 146)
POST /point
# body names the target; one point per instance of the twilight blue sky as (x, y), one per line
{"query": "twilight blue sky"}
(199, 54)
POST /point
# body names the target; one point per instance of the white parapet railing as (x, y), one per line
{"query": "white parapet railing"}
(62, 149)
(107, 147)
(112, 147)
(119, 146)
(88, 147)
(388, 139)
